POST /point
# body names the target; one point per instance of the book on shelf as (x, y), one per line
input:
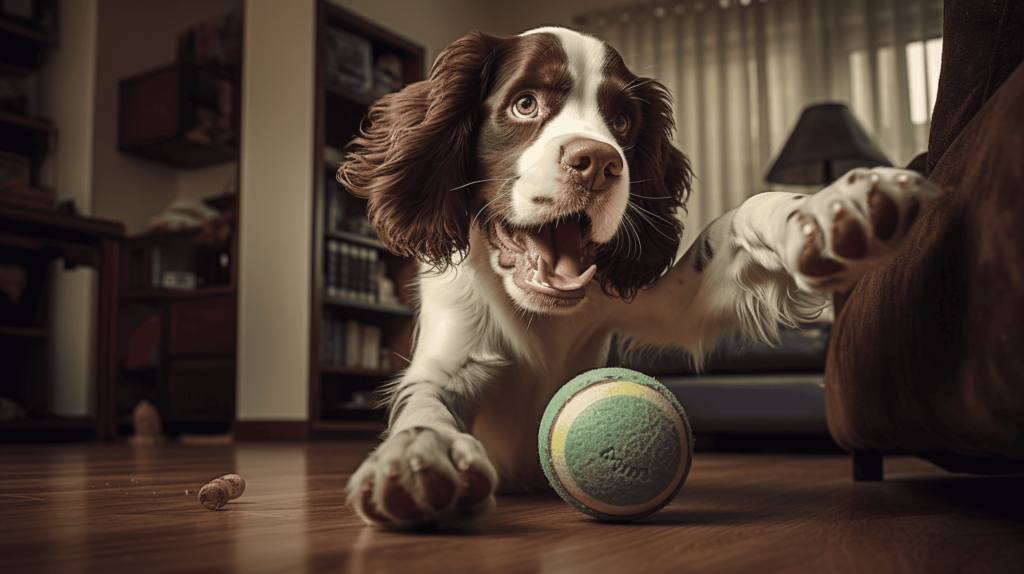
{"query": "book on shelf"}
(353, 344)
(344, 277)
(331, 267)
(351, 272)
(371, 347)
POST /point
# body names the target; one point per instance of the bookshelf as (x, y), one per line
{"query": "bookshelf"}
(361, 314)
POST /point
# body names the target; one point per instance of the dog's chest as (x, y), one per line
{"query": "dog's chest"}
(510, 410)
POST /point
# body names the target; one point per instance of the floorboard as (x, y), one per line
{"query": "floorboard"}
(118, 508)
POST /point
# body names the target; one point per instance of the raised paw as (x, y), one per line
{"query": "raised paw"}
(854, 225)
(422, 476)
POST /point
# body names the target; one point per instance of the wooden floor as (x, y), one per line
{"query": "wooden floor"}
(117, 508)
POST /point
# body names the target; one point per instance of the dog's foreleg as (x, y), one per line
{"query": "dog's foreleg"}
(774, 259)
(429, 469)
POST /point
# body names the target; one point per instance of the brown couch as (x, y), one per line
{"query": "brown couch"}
(927, 354)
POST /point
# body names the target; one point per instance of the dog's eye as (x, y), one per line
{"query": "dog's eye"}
(526, 107)
(620, 124)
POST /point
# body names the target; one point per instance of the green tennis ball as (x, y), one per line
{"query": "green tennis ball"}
(615, 444)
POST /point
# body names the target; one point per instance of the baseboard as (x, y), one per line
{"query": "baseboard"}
(271, 430)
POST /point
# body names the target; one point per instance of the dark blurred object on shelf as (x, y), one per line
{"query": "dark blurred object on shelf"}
(349, 64)
(19, 94)
(15, 183)
(39, 15)
(215, 43)
(388, 75)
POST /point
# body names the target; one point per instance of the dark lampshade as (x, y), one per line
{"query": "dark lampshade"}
(826, 143)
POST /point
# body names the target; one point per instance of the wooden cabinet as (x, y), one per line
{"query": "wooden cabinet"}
(176, 349)
(362, 319)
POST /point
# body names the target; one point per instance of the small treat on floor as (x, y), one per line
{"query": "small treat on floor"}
(214, 495)
(237, 485)
(219, 491)
(147, 423)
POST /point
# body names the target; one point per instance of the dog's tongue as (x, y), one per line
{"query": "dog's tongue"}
(559, 253)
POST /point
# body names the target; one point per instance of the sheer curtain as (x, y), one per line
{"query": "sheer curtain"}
(741, 71)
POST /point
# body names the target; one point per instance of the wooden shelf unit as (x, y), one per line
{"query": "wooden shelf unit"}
(31, 239)
(191, 372)
(338, 116)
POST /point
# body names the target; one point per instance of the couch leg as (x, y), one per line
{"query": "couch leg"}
(867, 465)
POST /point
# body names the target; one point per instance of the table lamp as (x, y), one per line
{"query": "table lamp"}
(827, 141)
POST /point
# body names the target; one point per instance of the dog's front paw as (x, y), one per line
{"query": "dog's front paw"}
(854, 225)
(422, 476)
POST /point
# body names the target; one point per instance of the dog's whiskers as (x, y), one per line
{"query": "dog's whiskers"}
(632, 232)
(647, 217)
(502, 193)
(647, 197)
(476, 182)
(488, 204)
(648, 212)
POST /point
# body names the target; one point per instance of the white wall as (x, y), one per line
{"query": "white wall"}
(275, 218)
(69, 93)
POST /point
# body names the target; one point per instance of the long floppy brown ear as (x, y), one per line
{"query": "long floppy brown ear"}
(661, 179)
(416, 152)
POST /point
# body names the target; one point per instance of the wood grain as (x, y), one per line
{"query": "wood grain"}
(115, 508)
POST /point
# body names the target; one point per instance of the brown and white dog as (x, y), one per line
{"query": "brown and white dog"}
(535, 178)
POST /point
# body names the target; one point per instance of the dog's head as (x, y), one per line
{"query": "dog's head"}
(548, 144)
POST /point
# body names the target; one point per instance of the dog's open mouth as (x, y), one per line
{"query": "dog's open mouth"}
(555, 259)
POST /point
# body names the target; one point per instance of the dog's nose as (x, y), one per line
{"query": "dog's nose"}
(596, 162)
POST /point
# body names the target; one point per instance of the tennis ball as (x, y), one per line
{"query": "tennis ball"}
(615, 444)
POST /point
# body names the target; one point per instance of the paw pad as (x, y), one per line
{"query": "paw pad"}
(848, 239)
(884, 215)
(810, 262)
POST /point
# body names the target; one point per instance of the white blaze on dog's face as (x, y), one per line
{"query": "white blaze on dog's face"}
(556, 134)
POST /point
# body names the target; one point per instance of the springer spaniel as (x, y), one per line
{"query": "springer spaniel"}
(535, 178)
